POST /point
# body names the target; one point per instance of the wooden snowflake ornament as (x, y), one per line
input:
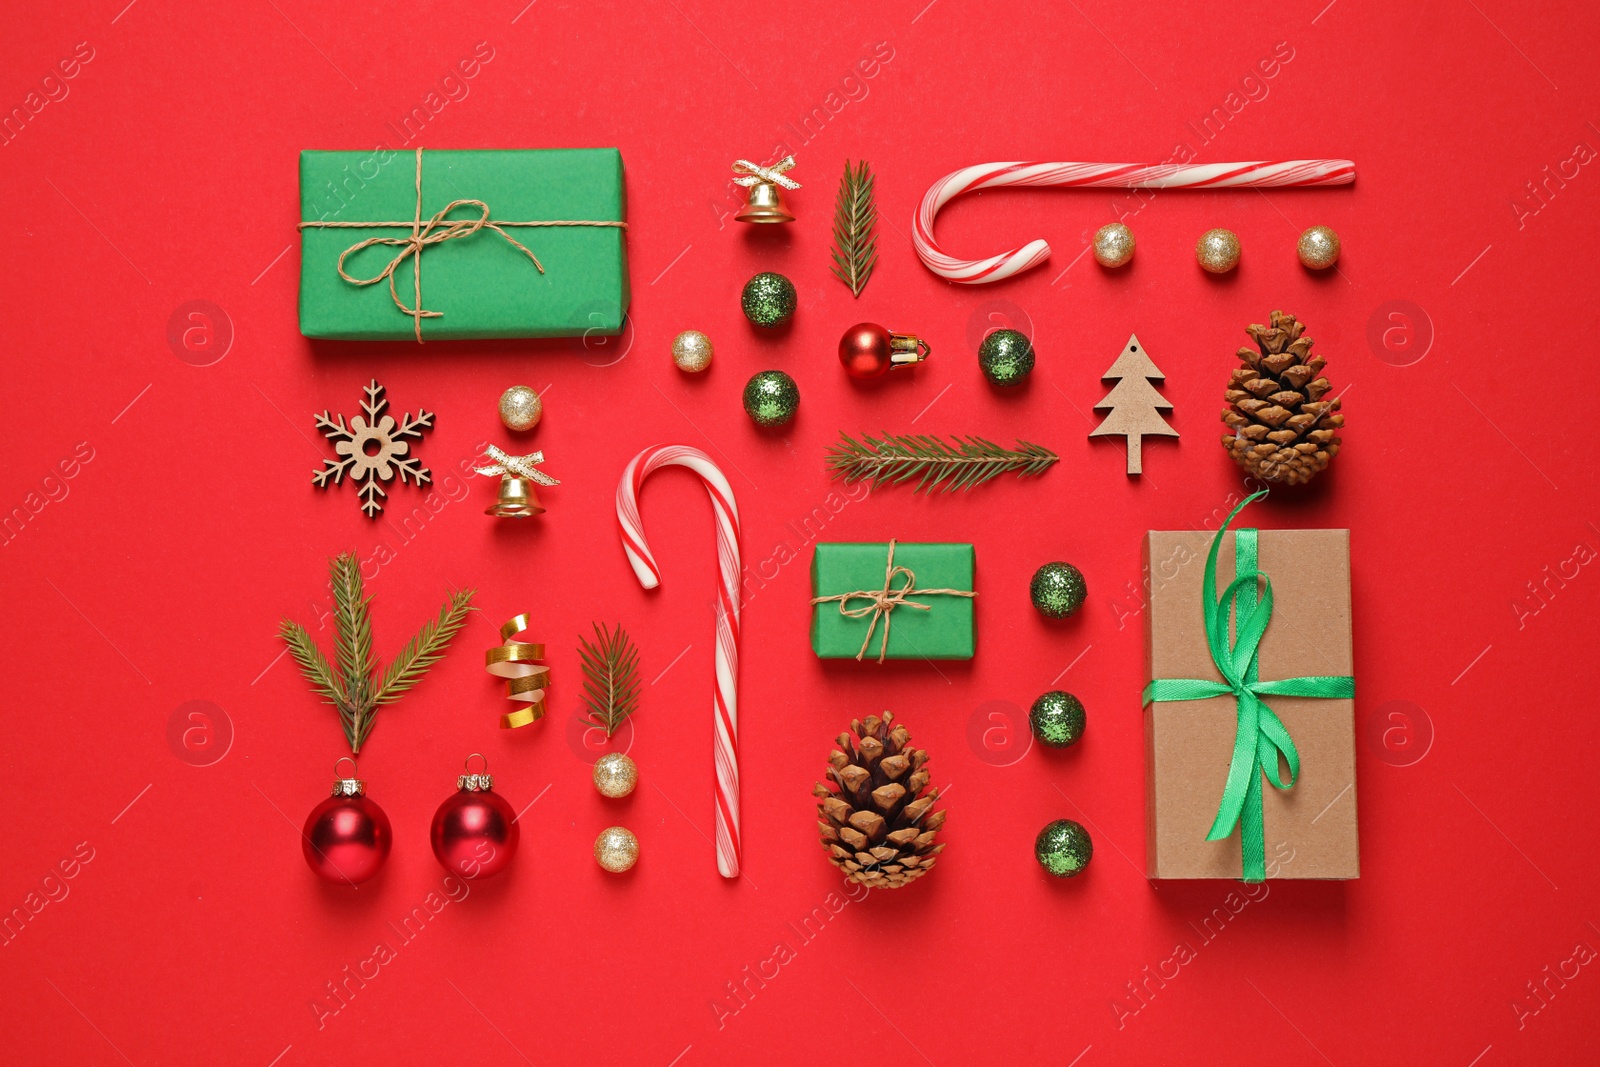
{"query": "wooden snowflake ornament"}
(372, 449)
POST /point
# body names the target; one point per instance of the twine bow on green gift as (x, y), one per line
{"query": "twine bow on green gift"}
(1261, 740)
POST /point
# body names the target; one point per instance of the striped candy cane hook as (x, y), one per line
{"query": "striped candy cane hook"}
(725, 698)
(1097, 175)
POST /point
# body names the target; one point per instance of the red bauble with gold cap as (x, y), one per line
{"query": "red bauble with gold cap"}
(346, 838)
(475, 831)
(869, 351)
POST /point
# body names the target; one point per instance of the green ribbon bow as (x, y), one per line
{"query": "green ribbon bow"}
(1260, 739)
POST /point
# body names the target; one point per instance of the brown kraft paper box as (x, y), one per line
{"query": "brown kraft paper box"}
(1310, 829)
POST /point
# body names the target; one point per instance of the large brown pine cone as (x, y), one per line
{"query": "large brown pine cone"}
(877, 822)
(1279, 426)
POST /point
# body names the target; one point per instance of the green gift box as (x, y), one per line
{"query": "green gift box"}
(460, 244)
(892, 601)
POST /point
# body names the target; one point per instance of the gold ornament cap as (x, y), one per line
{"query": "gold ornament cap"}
(476, 782)
(907, 350)
(347, 785)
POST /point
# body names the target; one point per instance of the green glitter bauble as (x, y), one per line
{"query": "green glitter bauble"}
(1063, 848)
(1006, 357)
(1057, 590)
(771, 398)
(1056, 719)
(768, 299)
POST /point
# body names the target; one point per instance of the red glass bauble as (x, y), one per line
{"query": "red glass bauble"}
(869, 351)
(864, 351)
(475, 833)
(346, 839)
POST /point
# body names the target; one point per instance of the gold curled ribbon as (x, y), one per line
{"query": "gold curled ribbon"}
(526, 679)
(752, 174)
(436, 230)
(881, 602)
(518, 466)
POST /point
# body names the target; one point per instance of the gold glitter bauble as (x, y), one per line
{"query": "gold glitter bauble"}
(1113, 245)
(615, 775)
(1218, 251)
(1318, 248)
(691, 351)
(616, 849)
(520, 408)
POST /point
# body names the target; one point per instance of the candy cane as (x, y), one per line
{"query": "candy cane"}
(725, 701)
(1098, 175)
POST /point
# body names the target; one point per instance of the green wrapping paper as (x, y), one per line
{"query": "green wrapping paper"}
(479, 282)
(852, 576)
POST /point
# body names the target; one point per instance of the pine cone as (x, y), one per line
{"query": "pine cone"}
(877, 823)
(1280, 428)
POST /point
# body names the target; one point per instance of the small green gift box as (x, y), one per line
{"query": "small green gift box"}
(892, 601)
(461, 244)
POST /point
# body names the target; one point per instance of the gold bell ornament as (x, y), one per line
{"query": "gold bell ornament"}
(518, 475)
(766, 185)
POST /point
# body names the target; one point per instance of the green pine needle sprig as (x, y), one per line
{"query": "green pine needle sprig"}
(425, 649)
(314, 665)
(352, 627)
(957, 464)
(855, 217)
(610, 677)
(356, 688)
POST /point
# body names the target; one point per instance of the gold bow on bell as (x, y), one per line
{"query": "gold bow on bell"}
(515, 466)
(881, 602)
(751, 174)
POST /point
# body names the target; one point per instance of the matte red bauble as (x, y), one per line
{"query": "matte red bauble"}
(347, 837)
(869, 351)
(475, 831)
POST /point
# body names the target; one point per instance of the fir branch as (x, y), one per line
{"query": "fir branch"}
(350, 689)
(314, 665)
(425, 649)
(961, 463)
(353, 628)
(855, 216)
(610, 677)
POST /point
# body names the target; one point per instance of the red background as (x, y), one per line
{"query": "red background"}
(196, 935)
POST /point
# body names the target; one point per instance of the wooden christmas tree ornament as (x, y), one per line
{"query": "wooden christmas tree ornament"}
(1135, 405)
